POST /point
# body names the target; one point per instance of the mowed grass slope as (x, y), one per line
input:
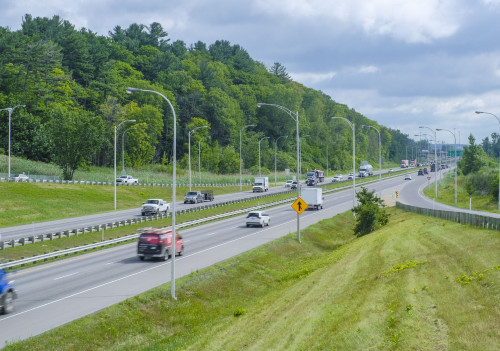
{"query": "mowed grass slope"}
(419, 283)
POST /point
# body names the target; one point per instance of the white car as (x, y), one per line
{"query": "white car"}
(20, 178)
(338, 178)
(126, 180)
(390, 170)
(350, 176)
(258, 218)
(288, 183)
(408, 177)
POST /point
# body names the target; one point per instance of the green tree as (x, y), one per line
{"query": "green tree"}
(473, 157)
(370, 212)
(75, 136)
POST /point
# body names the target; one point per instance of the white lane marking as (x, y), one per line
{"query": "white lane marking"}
(212, 234)
(65, 276)
(112, 262)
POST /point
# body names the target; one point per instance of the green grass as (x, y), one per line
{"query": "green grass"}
(419, 283)
(38, 248)
(446, 194)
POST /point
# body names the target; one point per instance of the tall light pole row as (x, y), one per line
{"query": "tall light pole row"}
(260, 173)
(379, 149)
(241, 161)
(114, 163)
(353, 127)
(174, 176)
(456, 164)
(276, 156)
(435, 162)
(295, 117)
(498, 119)
(10, 110)
(189, 150)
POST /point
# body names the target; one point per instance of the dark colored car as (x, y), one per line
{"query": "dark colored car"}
(420, 172)
(7, 293)
(157, 243)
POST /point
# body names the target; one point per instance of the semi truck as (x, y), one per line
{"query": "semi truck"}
(404, 164)
(366, 169)
(261, 184)
(313, 197)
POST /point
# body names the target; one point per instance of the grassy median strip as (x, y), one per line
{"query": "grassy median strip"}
(30, 250)
(419, 283)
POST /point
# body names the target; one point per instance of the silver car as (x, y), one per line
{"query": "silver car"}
(258, 218)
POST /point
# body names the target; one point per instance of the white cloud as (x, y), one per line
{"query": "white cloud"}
(408, 21)
(308, 79)
(369, 69)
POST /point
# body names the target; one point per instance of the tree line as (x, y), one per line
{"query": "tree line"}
(73, 83)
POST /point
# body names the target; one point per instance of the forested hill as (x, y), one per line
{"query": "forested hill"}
(73, 83)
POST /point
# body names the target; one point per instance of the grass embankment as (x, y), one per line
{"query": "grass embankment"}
(419, 283)
(446, 194)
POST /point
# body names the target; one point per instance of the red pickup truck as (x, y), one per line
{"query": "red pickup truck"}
(157, 243)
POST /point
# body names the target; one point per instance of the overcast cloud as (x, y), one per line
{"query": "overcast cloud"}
(402, 63)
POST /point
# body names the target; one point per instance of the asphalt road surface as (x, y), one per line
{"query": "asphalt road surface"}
(54, 294)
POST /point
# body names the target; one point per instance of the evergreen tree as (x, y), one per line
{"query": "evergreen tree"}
(369, 212)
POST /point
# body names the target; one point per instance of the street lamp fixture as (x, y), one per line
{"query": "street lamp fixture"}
(379, 149)
(189, 152)
(10, 110)
(116, 129)
(260, 174)
(498, 119)
(295, 117)
(174, 176)
(435, 161)
(276, 155)
(456, 162)
(241, 161)
(353, 127)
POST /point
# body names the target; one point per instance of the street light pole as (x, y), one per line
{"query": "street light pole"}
(260, 174)
(189, 151)
(353, 126)
(276, 155)
(456, 163)
(114, 162)
(295, 117)
(488, 113)
(435, 162)
(241, 161)
(123, 150)
(379, 150)
(10, 109)
(172, 278)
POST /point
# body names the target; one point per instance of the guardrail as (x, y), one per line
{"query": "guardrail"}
(96, 228)
(88, 247)
(462, 217)
(105, 226)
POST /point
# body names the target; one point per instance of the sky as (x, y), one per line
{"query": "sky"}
(403, 64)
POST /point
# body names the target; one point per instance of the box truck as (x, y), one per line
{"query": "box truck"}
(313, 197)
(261, 184)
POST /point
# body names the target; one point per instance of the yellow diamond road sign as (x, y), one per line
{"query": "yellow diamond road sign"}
(299, 205)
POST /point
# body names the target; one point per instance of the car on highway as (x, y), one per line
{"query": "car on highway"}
(126, 180)
(257, 218)
(157, 243)
(408, 177)
(294, 185)
(350, 176)
(390, 170)
(338, 178)
(19, 178)
(288, 183)
(420, 172)
(7, 293)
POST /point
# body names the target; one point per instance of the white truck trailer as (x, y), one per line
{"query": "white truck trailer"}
(313, 197)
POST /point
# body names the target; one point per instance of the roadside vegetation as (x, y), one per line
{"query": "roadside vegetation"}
(418, 283)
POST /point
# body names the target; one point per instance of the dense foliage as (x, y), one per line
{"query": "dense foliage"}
(73, 85)
(369, 212)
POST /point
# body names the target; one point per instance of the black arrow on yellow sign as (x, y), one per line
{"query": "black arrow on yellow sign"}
(300, 205)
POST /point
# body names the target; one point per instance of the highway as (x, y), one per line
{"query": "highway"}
(54, 294)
